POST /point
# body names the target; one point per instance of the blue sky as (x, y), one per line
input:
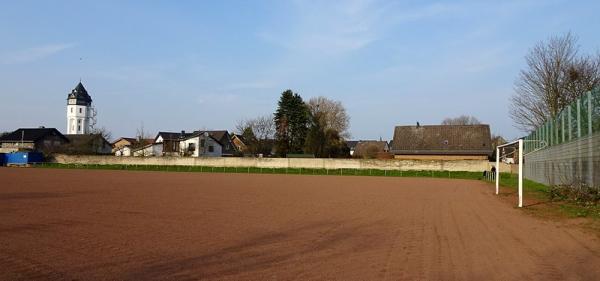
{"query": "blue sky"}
(185, 65)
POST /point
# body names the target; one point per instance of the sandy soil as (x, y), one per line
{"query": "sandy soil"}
(98, 225)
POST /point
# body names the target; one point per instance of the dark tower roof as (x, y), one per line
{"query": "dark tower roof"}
(81, 95)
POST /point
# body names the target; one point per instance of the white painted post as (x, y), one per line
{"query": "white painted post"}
(520, 173)
(497, 168)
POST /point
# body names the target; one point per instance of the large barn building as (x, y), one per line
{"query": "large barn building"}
(442, 142)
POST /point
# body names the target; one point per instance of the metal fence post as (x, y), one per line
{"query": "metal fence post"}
(590, 144)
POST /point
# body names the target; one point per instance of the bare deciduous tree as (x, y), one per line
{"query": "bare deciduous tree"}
(262, 126)
(555, 76)
(263, 131)
(461, 120)
(141, 142)
(103, 132)
(331, 115)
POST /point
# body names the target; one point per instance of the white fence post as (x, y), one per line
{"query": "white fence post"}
(521, 173)
(497, 168)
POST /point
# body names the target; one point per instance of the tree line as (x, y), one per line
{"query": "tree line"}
(318, 127)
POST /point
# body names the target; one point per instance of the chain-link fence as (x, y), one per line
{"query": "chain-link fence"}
(566, 149)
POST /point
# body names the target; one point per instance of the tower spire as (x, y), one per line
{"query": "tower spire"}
(80, 113)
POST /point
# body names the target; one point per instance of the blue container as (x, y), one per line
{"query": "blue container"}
(23, 158)
(2, 159)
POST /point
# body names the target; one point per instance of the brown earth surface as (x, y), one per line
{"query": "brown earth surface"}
(117, 225)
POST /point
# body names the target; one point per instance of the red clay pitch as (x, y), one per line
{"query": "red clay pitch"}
(118, 225)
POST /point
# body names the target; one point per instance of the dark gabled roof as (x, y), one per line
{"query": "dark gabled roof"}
(199, 133)
(351, 144)
(172, 135)
(442, 139)
(80, 139)
(362, 146)
(218, 134)
(80, 94)
(31, 134)
(130, 140)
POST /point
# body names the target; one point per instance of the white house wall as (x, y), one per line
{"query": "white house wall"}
(200, 151)
(123, 151)
(151, 150)
(157, 149)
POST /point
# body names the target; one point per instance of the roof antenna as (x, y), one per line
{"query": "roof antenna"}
(80, 67)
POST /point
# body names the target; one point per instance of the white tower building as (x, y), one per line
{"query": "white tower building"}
(80, 114)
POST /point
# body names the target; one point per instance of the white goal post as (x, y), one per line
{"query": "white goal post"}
(521, 152)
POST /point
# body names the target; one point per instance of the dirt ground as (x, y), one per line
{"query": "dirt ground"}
(118, 225)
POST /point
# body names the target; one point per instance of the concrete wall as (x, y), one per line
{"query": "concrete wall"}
(311, 163)
(440, 157)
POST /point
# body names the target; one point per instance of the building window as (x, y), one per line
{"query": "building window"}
(201, 143)
(71, 110)
(211, 148)
(78, 128)
(191, 147)
(79, 121)
(80, 110)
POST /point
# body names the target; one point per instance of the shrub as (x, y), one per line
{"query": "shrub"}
(579, 193)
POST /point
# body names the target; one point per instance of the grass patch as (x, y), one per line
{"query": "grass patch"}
(257, 170)
(563, 207)
(579, 211)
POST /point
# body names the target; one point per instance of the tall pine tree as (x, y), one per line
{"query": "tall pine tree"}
(291, 123)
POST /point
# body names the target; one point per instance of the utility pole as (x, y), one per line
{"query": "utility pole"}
(205, 142)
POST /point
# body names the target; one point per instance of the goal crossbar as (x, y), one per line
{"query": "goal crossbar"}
(518, 142)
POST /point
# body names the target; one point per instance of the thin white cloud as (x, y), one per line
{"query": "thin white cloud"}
(327, 27)
(339, 27)
(33, 54)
